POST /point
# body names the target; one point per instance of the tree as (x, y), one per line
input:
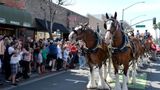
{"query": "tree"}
(48, 4)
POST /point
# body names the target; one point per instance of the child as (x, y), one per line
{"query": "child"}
(65, 57)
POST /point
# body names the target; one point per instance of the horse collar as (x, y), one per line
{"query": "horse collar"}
(97, 43)
(123, 46)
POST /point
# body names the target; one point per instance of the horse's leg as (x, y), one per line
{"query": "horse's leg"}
(140, 64)
(128, 74)
(117, 84)
(134, 72)
(104, 70)
(109, 79)
(91, 83)
(124, 86)
(101, 84)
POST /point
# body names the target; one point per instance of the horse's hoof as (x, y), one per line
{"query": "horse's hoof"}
(103, 88)
(109, 79)
(90, 86)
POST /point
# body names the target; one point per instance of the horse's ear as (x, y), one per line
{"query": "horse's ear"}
(86, 24)
(105, 26)
(115, 15)
(107, 16)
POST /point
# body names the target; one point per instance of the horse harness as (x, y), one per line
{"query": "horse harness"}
(96, 46)
(127, 43)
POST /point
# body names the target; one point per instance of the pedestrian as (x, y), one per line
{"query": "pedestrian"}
(59, 55)
(74, 55)
(15, 58)
(26, 62)
(2, 50)
(0, 71)
(137, 34)
(39, 61)
(52, 54)
(44, 57)
(146, 34)
(7, 58)
(82, 61)
(66, 57)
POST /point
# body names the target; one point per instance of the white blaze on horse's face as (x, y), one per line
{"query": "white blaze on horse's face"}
(108, 37)
(71, 36)
(109, 24)
(108, 34)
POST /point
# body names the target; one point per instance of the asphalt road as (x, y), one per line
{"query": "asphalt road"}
(153, 76)
(70, 80)
(78, 79)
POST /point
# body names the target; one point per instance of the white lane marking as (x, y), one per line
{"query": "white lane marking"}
(76, 81)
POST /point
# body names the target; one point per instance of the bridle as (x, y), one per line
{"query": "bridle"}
(116, 25)
(124, 37)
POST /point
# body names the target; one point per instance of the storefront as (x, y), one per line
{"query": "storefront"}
(58, 30)
(14, 21)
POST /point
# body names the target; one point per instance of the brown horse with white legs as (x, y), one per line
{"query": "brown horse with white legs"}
(96, 53)
(122, 48)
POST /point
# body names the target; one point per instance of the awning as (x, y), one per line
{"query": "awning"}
(56, 26)
(13, 16)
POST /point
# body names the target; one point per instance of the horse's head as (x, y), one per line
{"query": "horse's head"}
(111, 26)
(78, 33)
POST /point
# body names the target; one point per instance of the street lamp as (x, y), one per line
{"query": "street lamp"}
(135, 18)
(129, 7)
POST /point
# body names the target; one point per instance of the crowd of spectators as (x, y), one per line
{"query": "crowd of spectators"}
(19, 59)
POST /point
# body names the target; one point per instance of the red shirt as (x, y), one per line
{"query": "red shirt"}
(73, 49)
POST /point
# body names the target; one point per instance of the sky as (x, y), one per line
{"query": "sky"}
(143, 11)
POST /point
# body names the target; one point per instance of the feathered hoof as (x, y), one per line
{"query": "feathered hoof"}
(91, 86)
(103, 87)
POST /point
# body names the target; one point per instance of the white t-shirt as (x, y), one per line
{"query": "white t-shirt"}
(59, 55)
(15, 59)
(65, 54)
(40, 58)
(10, 50)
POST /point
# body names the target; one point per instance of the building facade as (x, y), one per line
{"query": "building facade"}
(14, 19)
(33, 14)
(41, 10)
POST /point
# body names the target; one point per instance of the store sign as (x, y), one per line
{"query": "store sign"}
(15, 22)
(26, 24)
(140, 26)
(2, 20)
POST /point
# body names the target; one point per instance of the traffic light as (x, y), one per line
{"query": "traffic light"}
(154, 20)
